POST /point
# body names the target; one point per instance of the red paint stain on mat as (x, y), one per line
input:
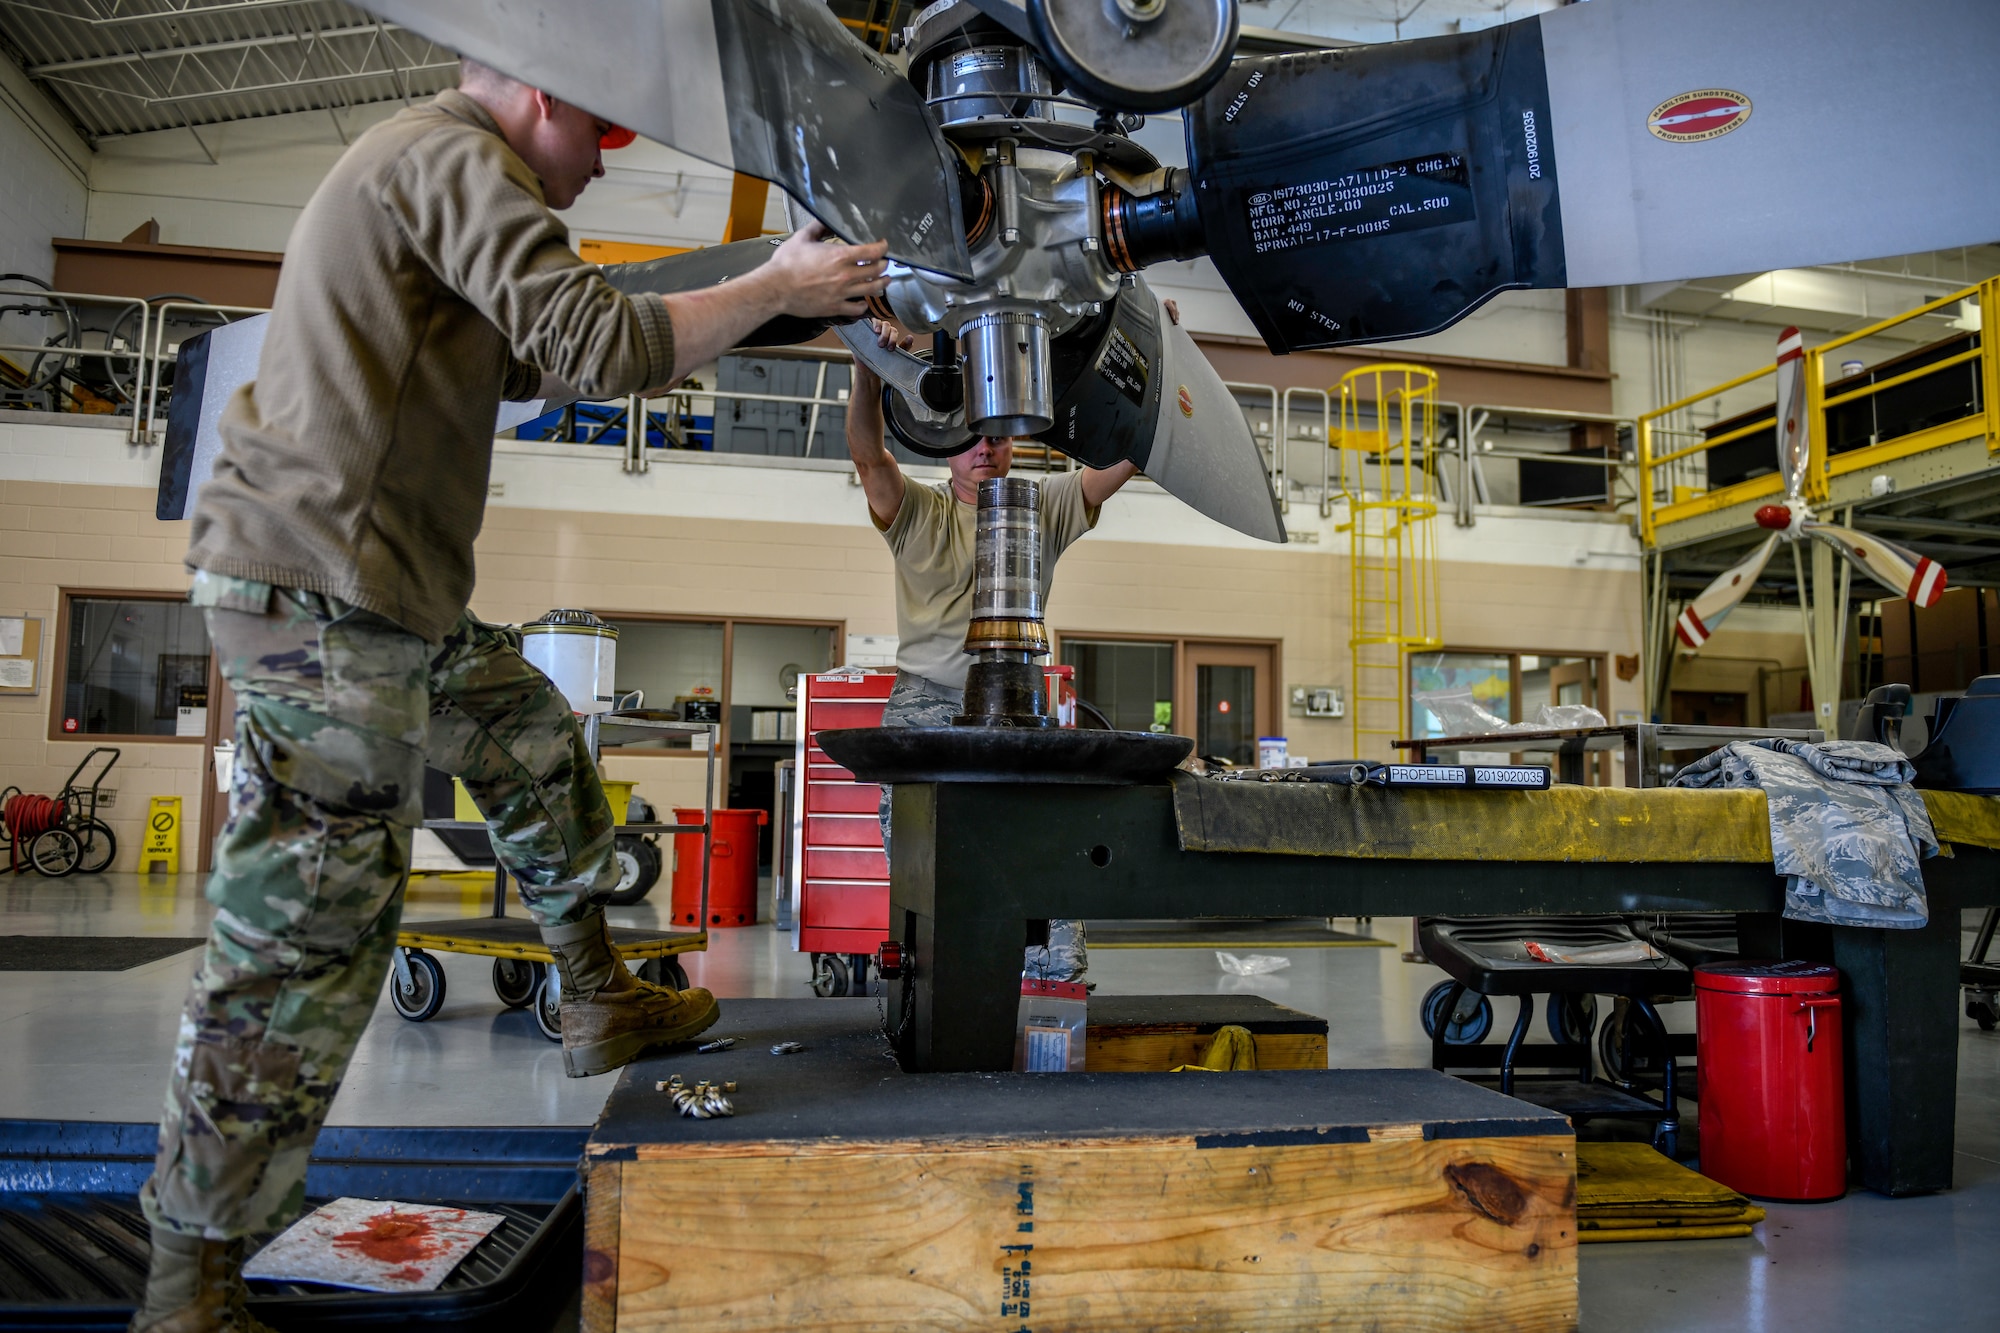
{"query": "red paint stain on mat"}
(392, 1239)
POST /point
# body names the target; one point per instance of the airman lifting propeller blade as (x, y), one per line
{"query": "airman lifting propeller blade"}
(1383, 192)
(776, 89)
(1902, 571)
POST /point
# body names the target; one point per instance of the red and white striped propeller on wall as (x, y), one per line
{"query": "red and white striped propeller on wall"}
(1896, 568)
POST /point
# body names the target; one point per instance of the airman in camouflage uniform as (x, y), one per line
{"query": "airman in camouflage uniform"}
(338, 711)
(333, 545)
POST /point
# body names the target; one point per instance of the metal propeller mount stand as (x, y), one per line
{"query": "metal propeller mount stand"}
(1006, 733)
(1005, 685)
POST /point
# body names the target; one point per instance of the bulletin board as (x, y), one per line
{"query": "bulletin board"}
(20, 655)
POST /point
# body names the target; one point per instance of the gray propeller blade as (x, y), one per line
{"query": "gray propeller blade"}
(1382, 192)
(705, 268)
(1831, 158)
(1138, 389)
(208, 370)
(1203, 451)
(776, 89)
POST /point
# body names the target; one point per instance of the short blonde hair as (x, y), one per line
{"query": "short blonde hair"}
(472, 74)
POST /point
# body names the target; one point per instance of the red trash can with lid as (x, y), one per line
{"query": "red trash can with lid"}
(1773, 1108)
(732, 875)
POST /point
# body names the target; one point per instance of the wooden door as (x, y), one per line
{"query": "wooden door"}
(221, 727)
(1228, 698)
(1700, 708)
(1576, 683)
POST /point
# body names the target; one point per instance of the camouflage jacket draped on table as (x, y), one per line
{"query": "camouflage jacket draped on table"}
(1848, 831)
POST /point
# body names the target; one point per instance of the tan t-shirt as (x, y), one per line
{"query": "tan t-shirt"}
(931, 539)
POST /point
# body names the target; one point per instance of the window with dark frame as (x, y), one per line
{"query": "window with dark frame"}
(133, 667)
(1131, 683)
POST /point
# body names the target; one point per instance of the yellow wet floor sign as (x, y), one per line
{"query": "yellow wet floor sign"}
(162, 849)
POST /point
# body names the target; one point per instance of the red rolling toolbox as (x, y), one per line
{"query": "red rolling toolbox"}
(839, 876)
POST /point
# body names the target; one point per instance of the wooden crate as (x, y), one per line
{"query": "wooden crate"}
(1138, 1034)
(847, 1196)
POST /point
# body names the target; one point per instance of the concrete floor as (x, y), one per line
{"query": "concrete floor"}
(82, 1045)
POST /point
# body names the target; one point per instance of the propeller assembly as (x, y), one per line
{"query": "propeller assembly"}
(1896, 568)
(1344, 196)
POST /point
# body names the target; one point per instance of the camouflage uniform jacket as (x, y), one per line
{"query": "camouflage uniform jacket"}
(1848, 832)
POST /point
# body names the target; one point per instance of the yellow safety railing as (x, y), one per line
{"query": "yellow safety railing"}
(1655, 464)
(1383, 446)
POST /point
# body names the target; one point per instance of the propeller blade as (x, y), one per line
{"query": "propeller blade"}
(1386, 191)
(1708, 610)
(1792, 446)
(705, 268)
(1896, 568)
(208, 370)
(1202, 449)
(776, 89)
(1135, 387)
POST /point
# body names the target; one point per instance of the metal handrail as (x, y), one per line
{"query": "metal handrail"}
(1817, 403)
(122, 303)
(1274, 467)
(157, 354)
(1282, 450)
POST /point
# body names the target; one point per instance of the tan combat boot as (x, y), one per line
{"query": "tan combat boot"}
(195, 1286)
(609, 1016)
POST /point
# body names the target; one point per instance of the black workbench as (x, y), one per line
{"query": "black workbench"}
(976, 863)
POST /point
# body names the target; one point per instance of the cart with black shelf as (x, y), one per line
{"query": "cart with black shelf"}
(524, 972)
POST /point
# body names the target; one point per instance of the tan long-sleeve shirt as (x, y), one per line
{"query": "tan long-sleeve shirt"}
(425, 280)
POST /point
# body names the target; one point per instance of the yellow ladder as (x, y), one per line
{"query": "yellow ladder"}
(1388, 426)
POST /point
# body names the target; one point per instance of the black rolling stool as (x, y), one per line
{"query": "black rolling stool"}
(1489, 956)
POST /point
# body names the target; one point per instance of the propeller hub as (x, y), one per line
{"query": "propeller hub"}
(1775, 517)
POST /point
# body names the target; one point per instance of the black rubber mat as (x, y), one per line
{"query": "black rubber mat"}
(84, 1250)
(89, 953)
(1290, 933)
(74, 1246)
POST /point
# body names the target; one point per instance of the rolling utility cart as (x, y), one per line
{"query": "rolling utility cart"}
(61, 834)
(524, 972)
(1492, 956)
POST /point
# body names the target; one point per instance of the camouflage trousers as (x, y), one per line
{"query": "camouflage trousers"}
(337, 712)
(917, 701)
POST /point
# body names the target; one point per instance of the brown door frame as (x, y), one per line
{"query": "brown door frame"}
(729, 624)
(1261, 656)
(214, 804)
(1588, 671)
(1268, 692)
(58, 669)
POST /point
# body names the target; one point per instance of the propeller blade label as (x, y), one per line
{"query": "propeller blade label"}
(1402, 196)
(1124, 368)
(1380, 192)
